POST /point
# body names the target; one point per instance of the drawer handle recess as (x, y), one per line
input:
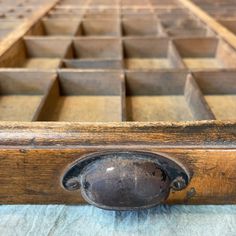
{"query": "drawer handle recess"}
(125, 180)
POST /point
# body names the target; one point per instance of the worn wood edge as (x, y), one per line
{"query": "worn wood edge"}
(197, 134)
(210, 22)
(22, 29)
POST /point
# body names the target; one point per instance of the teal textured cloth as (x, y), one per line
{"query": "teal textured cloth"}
(60, 220)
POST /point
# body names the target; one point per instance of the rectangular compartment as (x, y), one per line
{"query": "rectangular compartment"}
(219, 90)
(99, 27)
(170, 13)
(165, 3)
(66, 13)
(21, 93)
(72, 2)
(156, 96)
(95, 53)
(145, 27)
(150, 53)
(179, 27)
(102, 13)
(55, 27)
(37, 53)
(84, 97)
(97, 48)
(206, 53)
(134, 2)
(136, 11)
(96, 3)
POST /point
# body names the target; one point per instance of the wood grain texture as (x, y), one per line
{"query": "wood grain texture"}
(33, 176)
(204, 134)
(34, 156)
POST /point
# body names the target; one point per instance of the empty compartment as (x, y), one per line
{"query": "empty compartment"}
(134, 2)
(102, 13)
(188, 32)
(136, 11)
(219, 90)
(38, 53)
(84, 97)
(162, 3)
(156, 96)
(171, 13)
(150, 53)
(99, 28)
(206, 53)
(66, 13)
(21, 93)
(72, 2)
(143, 28)
(95, 3)
(55, 27)
(184, 27)
(94, 53)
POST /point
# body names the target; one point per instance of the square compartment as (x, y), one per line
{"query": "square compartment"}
(205, 53)
(156, 96)
(150, 53)
(37, 53)
(72, 2)
(66, 13)
(188, 32)
(134, 2)
(96, 49)
(145, 27)
(172, 13)
(21, 93)
(98, 3)
(85, 97)
(91, 27)
(184, 27)
(55, 27)
(136, 11)
(219, 90)
(163, 3)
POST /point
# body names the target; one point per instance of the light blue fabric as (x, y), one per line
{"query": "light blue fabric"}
(55, 220)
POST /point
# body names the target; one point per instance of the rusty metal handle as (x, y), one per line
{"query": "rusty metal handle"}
(124, 180)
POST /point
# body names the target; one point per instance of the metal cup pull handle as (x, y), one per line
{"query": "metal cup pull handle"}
(125, 180)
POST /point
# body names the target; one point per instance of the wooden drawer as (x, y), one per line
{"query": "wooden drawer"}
(85, 81)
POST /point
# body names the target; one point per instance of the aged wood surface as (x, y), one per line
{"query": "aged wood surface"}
(204, 134)
(33, 176)
(12, 38)
(155, 72)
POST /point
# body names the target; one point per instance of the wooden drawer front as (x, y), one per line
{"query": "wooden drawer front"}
(81, 77)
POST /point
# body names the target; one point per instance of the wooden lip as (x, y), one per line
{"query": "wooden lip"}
(207, 134)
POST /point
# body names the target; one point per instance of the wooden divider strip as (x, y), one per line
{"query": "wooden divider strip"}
(211, 22)
(49, 100)
(196, 100)
(20, 31)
